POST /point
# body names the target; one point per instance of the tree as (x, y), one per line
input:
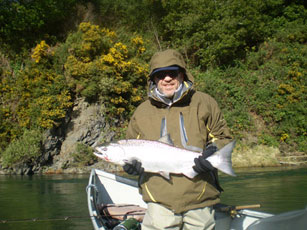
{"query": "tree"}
(24, 22)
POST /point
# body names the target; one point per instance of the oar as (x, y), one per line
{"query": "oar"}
(247, 206)
(232, 210)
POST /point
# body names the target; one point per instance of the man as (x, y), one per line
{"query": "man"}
(194, 121)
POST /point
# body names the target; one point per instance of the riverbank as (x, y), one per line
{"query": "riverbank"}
(265, 156)
(259, 156)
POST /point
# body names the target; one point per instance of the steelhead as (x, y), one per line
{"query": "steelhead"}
(163, 158)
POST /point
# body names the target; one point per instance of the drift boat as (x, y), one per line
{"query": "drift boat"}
(112, 199)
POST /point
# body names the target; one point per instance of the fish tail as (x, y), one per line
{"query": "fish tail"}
(225, 155)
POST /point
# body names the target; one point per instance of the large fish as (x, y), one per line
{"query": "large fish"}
(163, 158)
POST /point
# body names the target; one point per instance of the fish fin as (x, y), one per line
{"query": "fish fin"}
(224, 163)
(227, 149)
(126, 161)
(165, 174)
(130, 159)
(122, 142)
(166, 140)
(226, 169)
(190, 174)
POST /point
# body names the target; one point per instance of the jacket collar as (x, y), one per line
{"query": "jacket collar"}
(180, 93)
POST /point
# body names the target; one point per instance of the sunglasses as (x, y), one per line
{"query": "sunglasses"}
(171, 73)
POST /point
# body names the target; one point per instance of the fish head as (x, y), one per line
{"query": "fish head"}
(111, 153)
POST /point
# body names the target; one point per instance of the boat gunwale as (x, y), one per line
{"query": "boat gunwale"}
(97, 219)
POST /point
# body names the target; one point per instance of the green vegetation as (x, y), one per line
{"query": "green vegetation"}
(22, 23)
(34, 96)
(249, 55)
(26, 149)
(83, 155)
(100, 65)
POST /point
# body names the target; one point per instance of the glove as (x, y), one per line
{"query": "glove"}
(203, 165)
(209, 150)
(134, 168)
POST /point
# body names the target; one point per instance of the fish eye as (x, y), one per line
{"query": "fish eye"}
(104, 148)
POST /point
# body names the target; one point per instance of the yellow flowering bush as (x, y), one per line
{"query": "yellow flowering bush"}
(292, 89)
(41, 51)
(90, 41)
(7, 89)
(138, 41)
(284, 137)
(116, 74)
(33, 97)
(94, 63)
(43, 99)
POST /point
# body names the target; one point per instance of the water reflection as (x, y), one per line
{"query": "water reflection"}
(277, 190)
(44, 197)
(57, 196)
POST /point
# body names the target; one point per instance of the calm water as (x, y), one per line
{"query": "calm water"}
(58, 196)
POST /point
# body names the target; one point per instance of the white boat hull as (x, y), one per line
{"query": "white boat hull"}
(107, 188)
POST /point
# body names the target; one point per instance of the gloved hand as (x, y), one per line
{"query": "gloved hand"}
(203, 165)
(133, 168)
(209, 150)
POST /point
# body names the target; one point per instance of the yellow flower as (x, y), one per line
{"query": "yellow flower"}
(40, 51)
(284, 137)
(137, 40)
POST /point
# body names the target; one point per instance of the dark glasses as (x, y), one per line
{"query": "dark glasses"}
(162, 74)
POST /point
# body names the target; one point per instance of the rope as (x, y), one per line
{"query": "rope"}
(66, 218)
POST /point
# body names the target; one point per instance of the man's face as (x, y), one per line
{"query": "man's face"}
(168, 82)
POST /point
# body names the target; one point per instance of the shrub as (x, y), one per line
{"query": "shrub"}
(266, 95)
(43, 98)
(228, 88)
(26, 149)
(83, 155)
(215, 33)
(280, 93)
(100, 66)
(34, 96)
(23, 23)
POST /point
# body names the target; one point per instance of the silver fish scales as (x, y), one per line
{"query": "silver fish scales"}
(163, 158)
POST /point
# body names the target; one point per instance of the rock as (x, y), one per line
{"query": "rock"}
(88, 126)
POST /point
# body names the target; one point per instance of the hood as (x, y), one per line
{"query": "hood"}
(169, 57)
(163, 59)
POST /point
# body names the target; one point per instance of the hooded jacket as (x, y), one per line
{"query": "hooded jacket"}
(193, 120)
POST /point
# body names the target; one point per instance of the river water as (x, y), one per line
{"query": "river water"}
(51, 197)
